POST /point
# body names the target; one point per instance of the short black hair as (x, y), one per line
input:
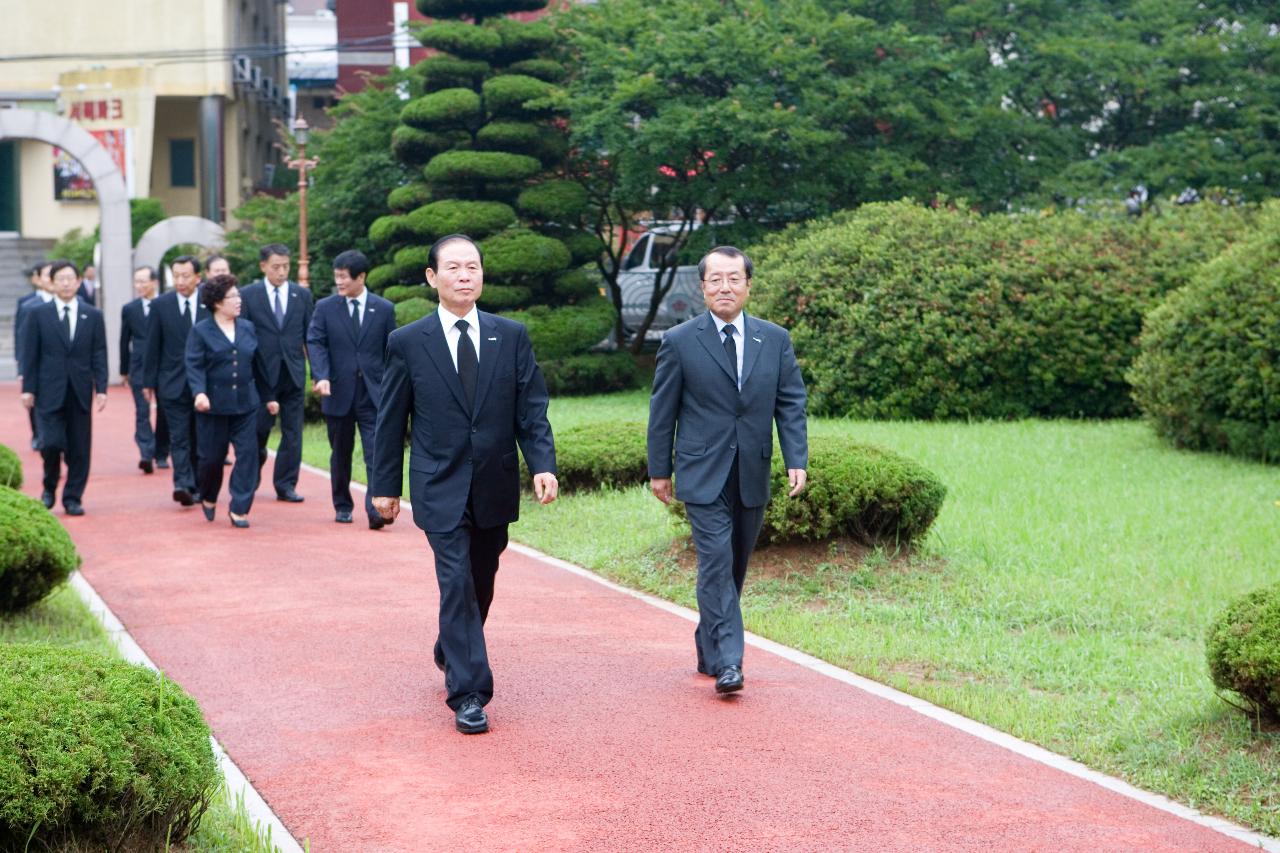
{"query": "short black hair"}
(45, 266)
(434, 251)
(728, 252)
(208, 262)
(58, 266)
(151, 272)
(187, 259)
(353, 261)
(272, 249)
(215, 290)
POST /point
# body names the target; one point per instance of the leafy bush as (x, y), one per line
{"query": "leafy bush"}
(446, 108)
(543, 69)
(577, 285)
(401, 292)
(97, 753)
(1206, 376)
(554, 201)
(470, 166)
(405, 198)
(502, 297)
(381, 276)
(443, 72)
(519, 137)
(519, 254)
(1243, 650)
(508, 93)
(389, 230)
(571, 329)
(413, 309)
(36, 554)
(413, 144)
(464, 40)
(590, 373)
(900, 311)
(477, 219)
(607, 454)
(411, 263)
(10, 468)
(521, 39)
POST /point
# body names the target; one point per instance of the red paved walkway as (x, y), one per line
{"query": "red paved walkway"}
(308, 645)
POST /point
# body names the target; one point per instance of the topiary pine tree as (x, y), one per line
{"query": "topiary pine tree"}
(490, 152)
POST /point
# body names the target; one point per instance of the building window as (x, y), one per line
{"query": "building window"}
(182, 162)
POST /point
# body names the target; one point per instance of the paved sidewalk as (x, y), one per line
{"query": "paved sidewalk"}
(308, 645)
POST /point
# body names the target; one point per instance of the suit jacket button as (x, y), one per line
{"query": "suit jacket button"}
(733, 447)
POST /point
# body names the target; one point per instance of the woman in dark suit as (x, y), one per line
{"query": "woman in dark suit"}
(227, 383)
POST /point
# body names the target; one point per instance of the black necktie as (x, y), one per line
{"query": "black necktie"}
(731, 350)
(355, 317)
(66, 320)
(186, 312)
(468, 363)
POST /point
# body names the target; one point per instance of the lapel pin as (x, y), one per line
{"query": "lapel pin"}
(493, 339)
(757, 340)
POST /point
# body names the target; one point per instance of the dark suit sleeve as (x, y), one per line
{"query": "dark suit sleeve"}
(789, 410)
(197, 374)
(318, 346)
(664, 404)
(98, 355)
(30, 352)
(126, 340)
(151, 363)
(393, 418)
(19, 319)
(533, 430)
(266, 394)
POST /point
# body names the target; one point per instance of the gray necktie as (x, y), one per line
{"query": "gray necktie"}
(66, 320)
(279, 310)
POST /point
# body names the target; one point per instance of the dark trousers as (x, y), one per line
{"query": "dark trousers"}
(152, 443)
(342, 445)
(289, 453)
(66, 434)
(179, 415)
(724, 535)
(466, 567)
(215, 432)
(35, 432)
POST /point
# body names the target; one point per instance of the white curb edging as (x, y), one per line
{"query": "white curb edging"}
(237, 784)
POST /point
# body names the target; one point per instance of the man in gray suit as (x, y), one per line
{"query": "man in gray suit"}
(722, 380)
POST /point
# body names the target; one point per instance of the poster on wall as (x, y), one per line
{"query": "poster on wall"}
(70, 180)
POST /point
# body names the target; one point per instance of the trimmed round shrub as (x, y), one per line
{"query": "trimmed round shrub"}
(389, 230)
(577, 285)
(521, 39)
(508, 93)
(36, 553)
(97, 753)
(418, 146)
(543, 69)
(413, 309)
(585, 248)
(503, 297)
(521, 137)
(411, 264)
(519, 254)
(1243, 650)
(480, 8)
(901, 311)
(590, 373)
(381, 276)
(566, 330)
(477, 219)
(554, 201)
(1206, 376)
(401, 292)
(463, 40)
(10, 468)
(608, 454)
(405, 198)
(447, 108)
(444, 72)
(470, 166)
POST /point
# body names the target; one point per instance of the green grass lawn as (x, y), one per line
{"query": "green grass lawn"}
(63, 619)
(1062, 595)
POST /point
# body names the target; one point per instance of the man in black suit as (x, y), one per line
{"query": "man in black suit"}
(346, 344)
(172, 316)
(721, 382)
(89, 285)
(153, 444)
(470, 382)
(65, 362)
(42, 292)
(280, 311)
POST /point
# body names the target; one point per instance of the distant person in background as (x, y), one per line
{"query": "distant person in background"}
(217, 265)
(65, 361)
(280, 311)
(224, 371)
(346, 344)
(37, 297)
(89, 285)
(153, 444)
(171, 318)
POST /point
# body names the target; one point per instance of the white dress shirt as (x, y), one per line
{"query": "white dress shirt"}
(44, 295)
(192, 304)
(146, 306)
(740, 339)
(448, 320)
(361, 300)
(74, 305)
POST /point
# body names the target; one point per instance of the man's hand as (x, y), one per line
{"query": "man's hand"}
(322, 388)
(273, 408)
(29, 401)
(661, 488)
(102, 402)
(149, 394)
(124, 379)
(388, 508)
(796, 477)
(545, 487)
(201, 402)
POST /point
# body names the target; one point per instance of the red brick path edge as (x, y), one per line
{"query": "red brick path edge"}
(308, 645)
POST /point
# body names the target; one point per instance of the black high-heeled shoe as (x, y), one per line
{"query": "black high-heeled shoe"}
(208, 510)
(238, 522)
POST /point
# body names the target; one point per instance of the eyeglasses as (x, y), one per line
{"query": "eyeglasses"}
(737, 279)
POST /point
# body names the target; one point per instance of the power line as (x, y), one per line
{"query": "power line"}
(386, 41)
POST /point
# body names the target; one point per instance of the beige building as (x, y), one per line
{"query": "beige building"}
(185, 95)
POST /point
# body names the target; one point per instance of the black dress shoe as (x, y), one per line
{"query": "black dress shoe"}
(238, 522)
(342, 516)
(73, 508)
(207, 510)
(146, 466)
(290, 496)
(162, 463)
(377, 522)
(729, 680)
(471, 718)
(183, 496)
(46, 498)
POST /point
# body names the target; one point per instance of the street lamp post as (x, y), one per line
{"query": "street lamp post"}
(302, 164)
